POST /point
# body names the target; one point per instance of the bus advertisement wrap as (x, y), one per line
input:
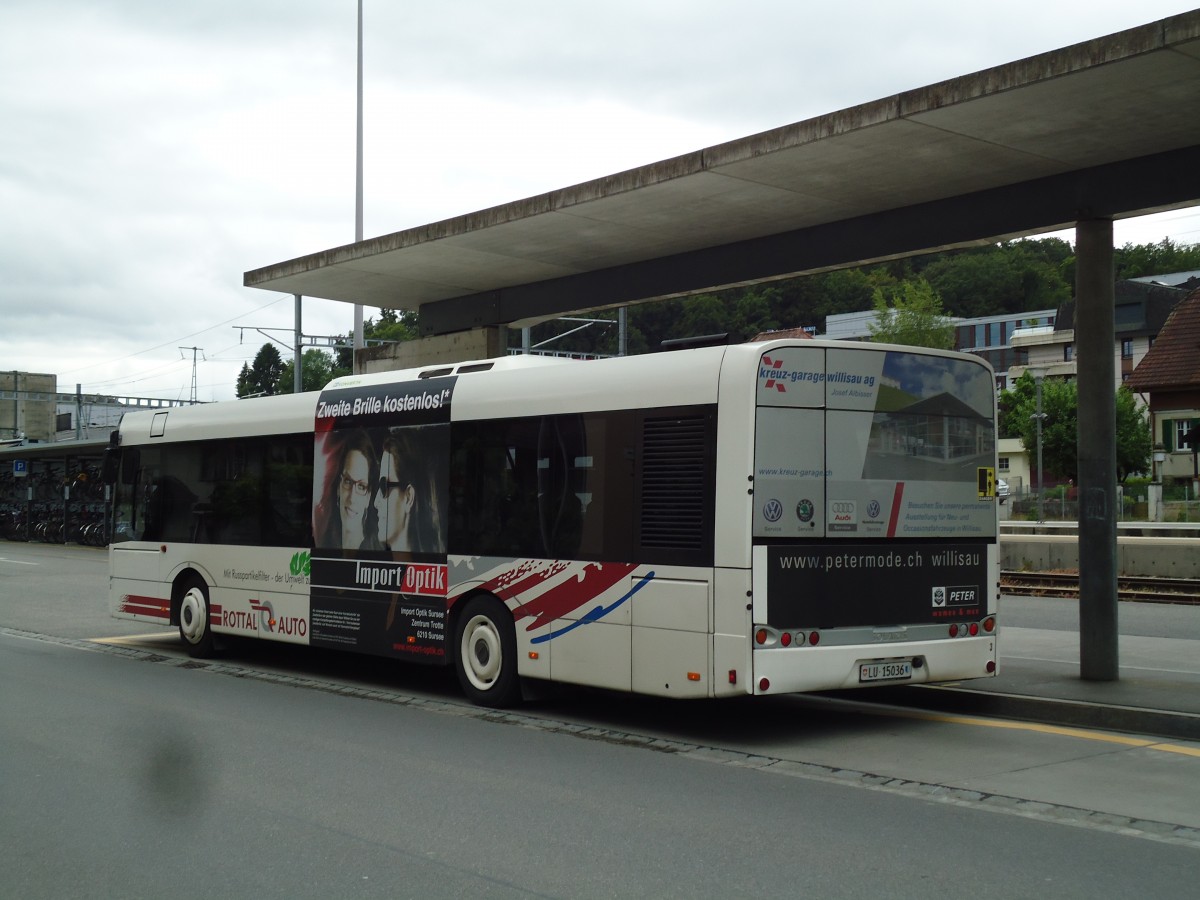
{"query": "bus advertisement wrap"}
(890, 447)
(838, 584)
(380, 483)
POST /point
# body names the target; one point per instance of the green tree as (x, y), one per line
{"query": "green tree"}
(316, 371)
(243, 381)
(1013, 404)
(976, 283)
(752, 313)
(262, 377)
(809, 300)
(1163, 258)
(913, 317)
(1134, 444)
(1009, 278)
(393, 325)
(706, 314)
(843, 291)
(1060, 427)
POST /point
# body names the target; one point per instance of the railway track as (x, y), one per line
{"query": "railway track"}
(1139, 589)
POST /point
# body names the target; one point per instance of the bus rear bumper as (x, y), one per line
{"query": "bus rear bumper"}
(785, 670)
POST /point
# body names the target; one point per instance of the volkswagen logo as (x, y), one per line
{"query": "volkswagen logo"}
(773, 510)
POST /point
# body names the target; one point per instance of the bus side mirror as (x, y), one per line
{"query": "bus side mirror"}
(118, 465)
(110, 466)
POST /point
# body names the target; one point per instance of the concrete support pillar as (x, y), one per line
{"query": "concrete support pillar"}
(298, 352)
(1154, 498)
(1094, 335)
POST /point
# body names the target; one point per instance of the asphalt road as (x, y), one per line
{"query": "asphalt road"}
(127, 770)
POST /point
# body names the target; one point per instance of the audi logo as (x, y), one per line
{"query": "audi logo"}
(842, 507)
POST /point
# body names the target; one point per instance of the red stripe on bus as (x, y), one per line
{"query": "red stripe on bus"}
(896, 497)
(146, 606)
(524, 578)
(572, 593)
(578, 584)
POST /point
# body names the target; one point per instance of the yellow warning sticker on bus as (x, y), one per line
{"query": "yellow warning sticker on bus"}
(985, 477)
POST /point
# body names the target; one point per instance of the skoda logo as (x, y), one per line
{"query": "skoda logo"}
(773, 510)
(805, 510)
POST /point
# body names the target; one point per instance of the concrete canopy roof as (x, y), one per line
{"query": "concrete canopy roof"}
(1110, 127)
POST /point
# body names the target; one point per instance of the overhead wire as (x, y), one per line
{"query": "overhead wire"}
(176, 340)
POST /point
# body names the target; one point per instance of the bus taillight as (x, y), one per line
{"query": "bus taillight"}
(974, 628)
(814, 638)
(760, 636)
(785, 639)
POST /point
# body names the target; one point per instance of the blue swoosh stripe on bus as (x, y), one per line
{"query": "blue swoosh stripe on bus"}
(595, 614)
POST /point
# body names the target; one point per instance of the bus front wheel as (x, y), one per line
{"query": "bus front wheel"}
(193, 619)
(487, 653)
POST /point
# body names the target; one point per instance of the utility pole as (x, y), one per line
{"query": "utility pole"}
(195, 351)
(358, 193)
(298, 355)
(1039, 417)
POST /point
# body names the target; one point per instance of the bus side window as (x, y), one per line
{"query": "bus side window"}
(131, 462)
(127, 519)
(562, 444)
(493, 488)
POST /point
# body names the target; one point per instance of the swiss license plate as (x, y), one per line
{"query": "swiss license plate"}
(885, 671)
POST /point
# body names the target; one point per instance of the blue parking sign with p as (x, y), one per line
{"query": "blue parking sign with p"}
(20, 468)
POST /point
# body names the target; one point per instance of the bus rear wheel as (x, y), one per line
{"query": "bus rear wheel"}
(487, 653)
(194, 627)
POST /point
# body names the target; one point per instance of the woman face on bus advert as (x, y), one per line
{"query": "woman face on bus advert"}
(353, 490)
(394, 502)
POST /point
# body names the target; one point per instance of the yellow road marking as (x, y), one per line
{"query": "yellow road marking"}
(1175, 748)
(1063, 731)
(137, 638)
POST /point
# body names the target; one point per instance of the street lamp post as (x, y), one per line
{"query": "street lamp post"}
(1154, 491)
(1038, 375)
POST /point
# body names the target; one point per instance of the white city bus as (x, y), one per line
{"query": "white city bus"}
(746, 519)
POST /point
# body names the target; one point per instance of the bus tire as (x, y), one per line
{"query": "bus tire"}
(194, 628)
(486, 657)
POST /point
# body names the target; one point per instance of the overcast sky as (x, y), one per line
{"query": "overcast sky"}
(152, 152)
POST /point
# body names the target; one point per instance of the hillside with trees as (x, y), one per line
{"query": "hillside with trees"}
(1011, 277)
